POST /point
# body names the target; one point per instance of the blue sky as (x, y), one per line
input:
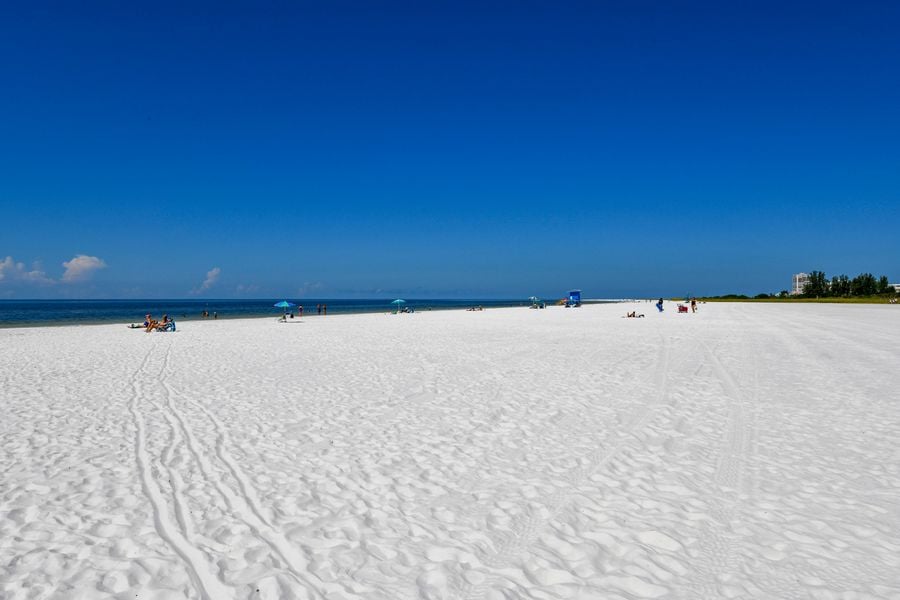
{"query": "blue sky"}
(445, 149)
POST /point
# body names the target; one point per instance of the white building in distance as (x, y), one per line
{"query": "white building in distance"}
(799, 282)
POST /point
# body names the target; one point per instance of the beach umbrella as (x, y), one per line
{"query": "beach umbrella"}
(284, 304)
(533, 298)
(398, 302)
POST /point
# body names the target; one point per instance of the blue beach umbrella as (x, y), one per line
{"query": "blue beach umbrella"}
(398, 302)
(284, 304)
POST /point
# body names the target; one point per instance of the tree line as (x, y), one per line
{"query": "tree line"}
(841, 286)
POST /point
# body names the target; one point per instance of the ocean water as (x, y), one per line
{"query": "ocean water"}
(31, 313)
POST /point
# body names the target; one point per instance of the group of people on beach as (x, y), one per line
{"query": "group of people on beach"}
(151, 324)
(660, 307)
(681, 307)
(321, 309)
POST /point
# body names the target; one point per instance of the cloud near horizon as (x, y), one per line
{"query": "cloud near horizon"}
(10, 270)
(212, 276)
(81, 267)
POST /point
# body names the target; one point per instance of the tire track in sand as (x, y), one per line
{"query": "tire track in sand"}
(175, 479)
(243, 503)
(717, 539)
(208, 586)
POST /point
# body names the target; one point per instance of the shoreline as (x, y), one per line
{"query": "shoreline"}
(432, 305)
(275, 317)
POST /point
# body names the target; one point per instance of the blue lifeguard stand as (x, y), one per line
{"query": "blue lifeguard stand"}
(574, 298)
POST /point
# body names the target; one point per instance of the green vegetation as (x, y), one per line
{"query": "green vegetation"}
(842, 286)
(798, 299)
(862, 289)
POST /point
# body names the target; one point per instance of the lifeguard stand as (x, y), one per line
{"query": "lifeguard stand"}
(574, 299)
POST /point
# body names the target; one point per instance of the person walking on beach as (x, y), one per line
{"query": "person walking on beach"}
(300, 311)
(659, 305)
(318, 309)
(324, 309)
(693, 305)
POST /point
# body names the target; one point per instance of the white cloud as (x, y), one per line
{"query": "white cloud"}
(6, 265)
(211, 277)
(81, 267)
(10, 270)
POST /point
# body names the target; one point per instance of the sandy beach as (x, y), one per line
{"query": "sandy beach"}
(746, 451)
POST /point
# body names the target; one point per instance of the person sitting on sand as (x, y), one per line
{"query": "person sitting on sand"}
(633, 315)
(159, 325)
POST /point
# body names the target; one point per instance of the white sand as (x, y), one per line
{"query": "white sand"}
(747, 451)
